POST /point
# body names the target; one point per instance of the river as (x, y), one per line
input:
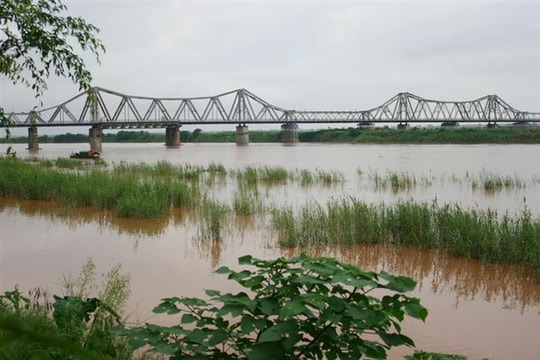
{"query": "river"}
(478, 310)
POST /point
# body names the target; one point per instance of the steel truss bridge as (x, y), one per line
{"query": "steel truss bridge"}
(104, 108)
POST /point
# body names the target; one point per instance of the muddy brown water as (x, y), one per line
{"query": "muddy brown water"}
(478, 310)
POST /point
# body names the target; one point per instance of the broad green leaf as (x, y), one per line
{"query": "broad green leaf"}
(245, 260)
(223, 270)
(167, 306)
(188, 319)
(217, 337)
(268, 306)
(308, 279)
(398, 283)
(212, 293)
(267, 351)
(396, 339)
(247, 324)
(234, 310)
(320, 269)
(415, 310)
(292, 308)
(277, 331)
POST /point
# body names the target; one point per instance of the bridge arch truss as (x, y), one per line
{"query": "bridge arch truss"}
(110, 109)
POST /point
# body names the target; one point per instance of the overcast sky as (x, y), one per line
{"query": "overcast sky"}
(307, 55)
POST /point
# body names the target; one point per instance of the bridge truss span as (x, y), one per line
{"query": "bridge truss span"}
(110, 109)
(406, 107)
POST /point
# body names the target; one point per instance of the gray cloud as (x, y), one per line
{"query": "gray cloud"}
(311, 55)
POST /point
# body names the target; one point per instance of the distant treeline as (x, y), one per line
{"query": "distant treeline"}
(380, 135)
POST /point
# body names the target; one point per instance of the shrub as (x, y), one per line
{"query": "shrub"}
(298, 308)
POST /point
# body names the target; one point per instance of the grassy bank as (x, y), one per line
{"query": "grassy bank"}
(506, 134)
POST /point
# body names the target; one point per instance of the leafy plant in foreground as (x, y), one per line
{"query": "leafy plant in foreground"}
(298, 308)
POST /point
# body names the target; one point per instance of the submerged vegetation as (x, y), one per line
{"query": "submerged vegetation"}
(151, 191)
(476, 234)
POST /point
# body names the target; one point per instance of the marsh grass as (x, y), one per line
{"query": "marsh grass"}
(247, 203)
(493, 183)
(212, 220)
(472, 233)
(130, 190)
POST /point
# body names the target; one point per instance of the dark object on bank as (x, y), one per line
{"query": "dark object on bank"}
(85, 155)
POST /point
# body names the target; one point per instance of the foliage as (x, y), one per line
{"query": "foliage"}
(72, 326)
(38, 40)
(299, 308)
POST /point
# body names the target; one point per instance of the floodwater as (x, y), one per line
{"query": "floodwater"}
(478, 310)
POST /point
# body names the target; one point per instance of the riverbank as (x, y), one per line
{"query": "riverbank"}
(507, 134)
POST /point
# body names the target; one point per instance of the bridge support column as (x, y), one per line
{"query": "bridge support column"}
(242, 135)
(289, 133)
(95, 135)
(33, 139)
(172, 136)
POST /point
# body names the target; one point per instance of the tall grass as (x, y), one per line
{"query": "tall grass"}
(212, 219)
(122, 190)
(247, 203)
(472, 233)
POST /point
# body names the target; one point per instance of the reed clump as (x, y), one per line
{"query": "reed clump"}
(492, 183)
(247, 203)
(212, 219)
(124, 190)
(473, 233)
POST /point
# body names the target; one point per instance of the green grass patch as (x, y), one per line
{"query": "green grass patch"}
(477, 234)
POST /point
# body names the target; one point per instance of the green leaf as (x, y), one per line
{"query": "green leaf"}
(234, 310)
(277, 331)
(223, 270)
(396, 339)
(245, 260)
(292, 308)
(321, 269)
(247, 324)
(217, 337)
(398, 283)
(168, 306)
(212, 293)
(268, 306)
(415, 310)
(188, 319)
(267, 351)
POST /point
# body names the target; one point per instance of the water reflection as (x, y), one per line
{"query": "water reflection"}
(436, 272)
(440, 274)
(73, 217)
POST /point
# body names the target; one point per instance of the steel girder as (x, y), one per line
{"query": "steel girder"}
(107, 108)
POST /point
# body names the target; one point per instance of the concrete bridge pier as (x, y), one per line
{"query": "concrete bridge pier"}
(242, 135)
(289, 133)
(172, 136)
(95, 134)
(33, 139)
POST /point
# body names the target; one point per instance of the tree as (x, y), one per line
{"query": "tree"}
(37, 41)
